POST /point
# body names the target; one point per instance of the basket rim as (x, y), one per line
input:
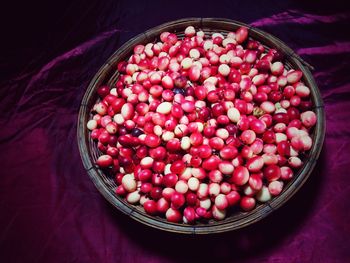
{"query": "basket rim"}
(219, 226)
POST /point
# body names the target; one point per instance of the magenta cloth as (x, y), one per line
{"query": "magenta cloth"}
(50, 209)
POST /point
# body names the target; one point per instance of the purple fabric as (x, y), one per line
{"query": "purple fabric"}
(51, 211)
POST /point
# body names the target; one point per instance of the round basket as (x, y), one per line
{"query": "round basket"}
(108, 75)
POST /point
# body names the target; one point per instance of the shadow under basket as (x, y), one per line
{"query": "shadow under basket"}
(236, 219)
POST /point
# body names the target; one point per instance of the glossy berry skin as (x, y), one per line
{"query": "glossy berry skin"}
(177, 200)
(240, 175)
(178, 167)
(150, 207)
(272, 172)
(152, 141)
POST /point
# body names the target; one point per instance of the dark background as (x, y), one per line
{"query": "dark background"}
(51, 211)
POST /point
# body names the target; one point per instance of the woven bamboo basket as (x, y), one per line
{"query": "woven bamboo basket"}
(108, 75)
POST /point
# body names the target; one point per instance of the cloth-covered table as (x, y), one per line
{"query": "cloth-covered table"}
(50, 211)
